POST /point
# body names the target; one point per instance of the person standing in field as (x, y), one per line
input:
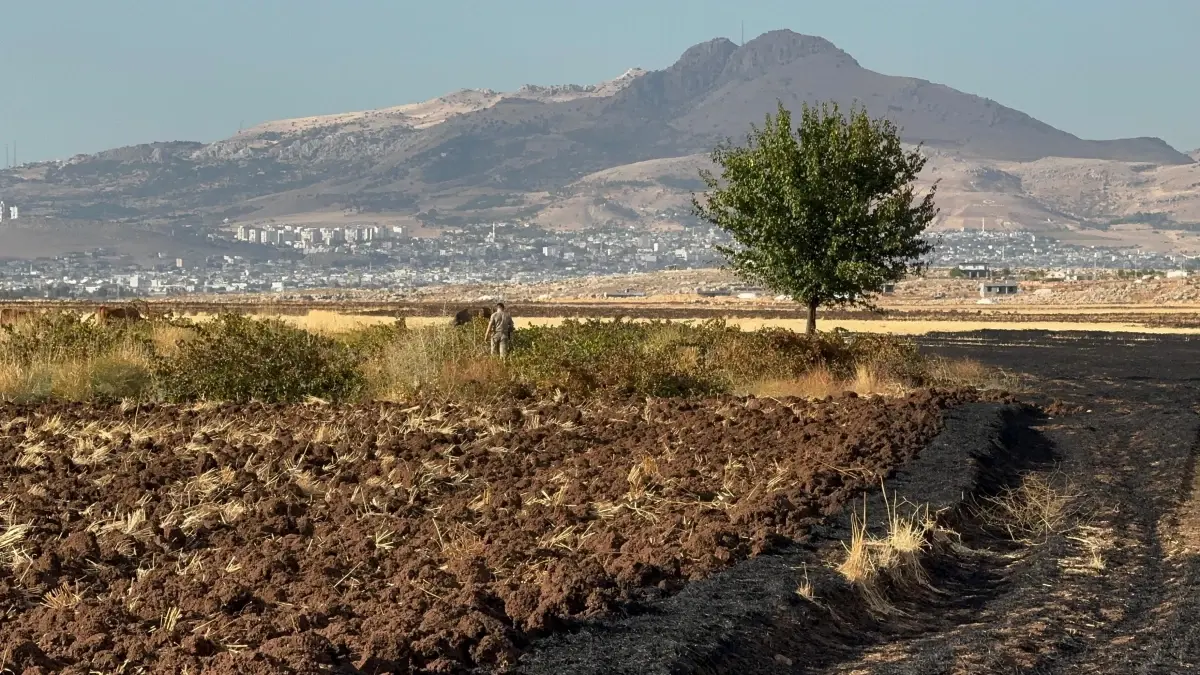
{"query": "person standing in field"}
(500, 330)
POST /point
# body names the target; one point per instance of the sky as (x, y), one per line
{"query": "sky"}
(79, 76)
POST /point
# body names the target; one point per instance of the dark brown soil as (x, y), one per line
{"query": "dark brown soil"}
(304, 539)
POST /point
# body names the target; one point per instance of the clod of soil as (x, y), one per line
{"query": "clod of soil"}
(383, 538)
(1059, 408)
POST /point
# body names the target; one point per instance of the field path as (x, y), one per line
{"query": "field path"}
(1117, 588)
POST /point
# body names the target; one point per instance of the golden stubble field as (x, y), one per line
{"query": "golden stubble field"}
(330, 321)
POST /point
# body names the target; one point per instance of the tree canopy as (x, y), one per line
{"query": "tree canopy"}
(826, 213)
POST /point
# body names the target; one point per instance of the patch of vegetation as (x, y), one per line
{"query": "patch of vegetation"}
(240, 358)
(237, 358)
(1141, 218)
(62, 335)
(677, 183)
(491, 202)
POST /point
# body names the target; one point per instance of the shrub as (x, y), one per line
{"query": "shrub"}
(653, 358)
(890, 357)
(236, 358)
(370, 340)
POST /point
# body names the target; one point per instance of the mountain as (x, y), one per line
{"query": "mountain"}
(1195, 154)
(478, 155)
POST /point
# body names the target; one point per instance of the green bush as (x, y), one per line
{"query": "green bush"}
(654, 358)
(374, 339)
(894, 358)
(235, 358)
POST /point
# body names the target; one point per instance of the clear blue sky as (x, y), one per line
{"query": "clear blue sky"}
(85, 75)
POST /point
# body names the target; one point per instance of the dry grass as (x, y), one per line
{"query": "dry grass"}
(875, 565)
(166, 338)
(441, 359)
(1093, 541)
(819, 382)
(805, 588)
(917, 327)
(1036, 508)
(970, 373)
(329, 323)
(123, 373)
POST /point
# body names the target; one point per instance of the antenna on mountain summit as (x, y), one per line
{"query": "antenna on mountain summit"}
(743, 34)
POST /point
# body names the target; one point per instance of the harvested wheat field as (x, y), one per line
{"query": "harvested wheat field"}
(382, 538)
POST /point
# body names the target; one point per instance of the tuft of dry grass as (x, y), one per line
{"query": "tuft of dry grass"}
(817, 383)
(1036, 508)
(969, 373)
(11, 553)
(1094, 541)
(875, 565)
(63, 597)
(805, 588)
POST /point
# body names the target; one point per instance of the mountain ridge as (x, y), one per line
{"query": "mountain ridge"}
(526, 149)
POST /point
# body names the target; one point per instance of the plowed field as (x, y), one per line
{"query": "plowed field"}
(380, 538)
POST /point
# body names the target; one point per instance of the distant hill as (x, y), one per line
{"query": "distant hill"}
(483, 155)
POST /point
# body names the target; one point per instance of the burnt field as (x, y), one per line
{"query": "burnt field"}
(382, 538)
(1109, 581)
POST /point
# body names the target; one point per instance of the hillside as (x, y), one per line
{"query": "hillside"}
(539, 153)
(1046, 195)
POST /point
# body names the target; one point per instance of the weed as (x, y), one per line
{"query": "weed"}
(876, 565)
(1035, 508)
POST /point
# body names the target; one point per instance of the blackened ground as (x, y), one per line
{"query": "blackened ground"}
(1115, 589)
(1126, 448)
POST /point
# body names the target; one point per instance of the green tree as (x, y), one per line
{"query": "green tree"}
(826, 213)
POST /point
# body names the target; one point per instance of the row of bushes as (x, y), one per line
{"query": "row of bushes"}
(239, 358)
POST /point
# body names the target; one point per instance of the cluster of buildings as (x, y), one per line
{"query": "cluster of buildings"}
(484, 253)
(292, 258)
(317, 239)
(1028, 250)
(9, 212)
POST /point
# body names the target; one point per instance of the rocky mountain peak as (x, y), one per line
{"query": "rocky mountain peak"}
(706, 57)
(779, 48)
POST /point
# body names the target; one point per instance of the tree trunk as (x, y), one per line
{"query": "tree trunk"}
(812, 316)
